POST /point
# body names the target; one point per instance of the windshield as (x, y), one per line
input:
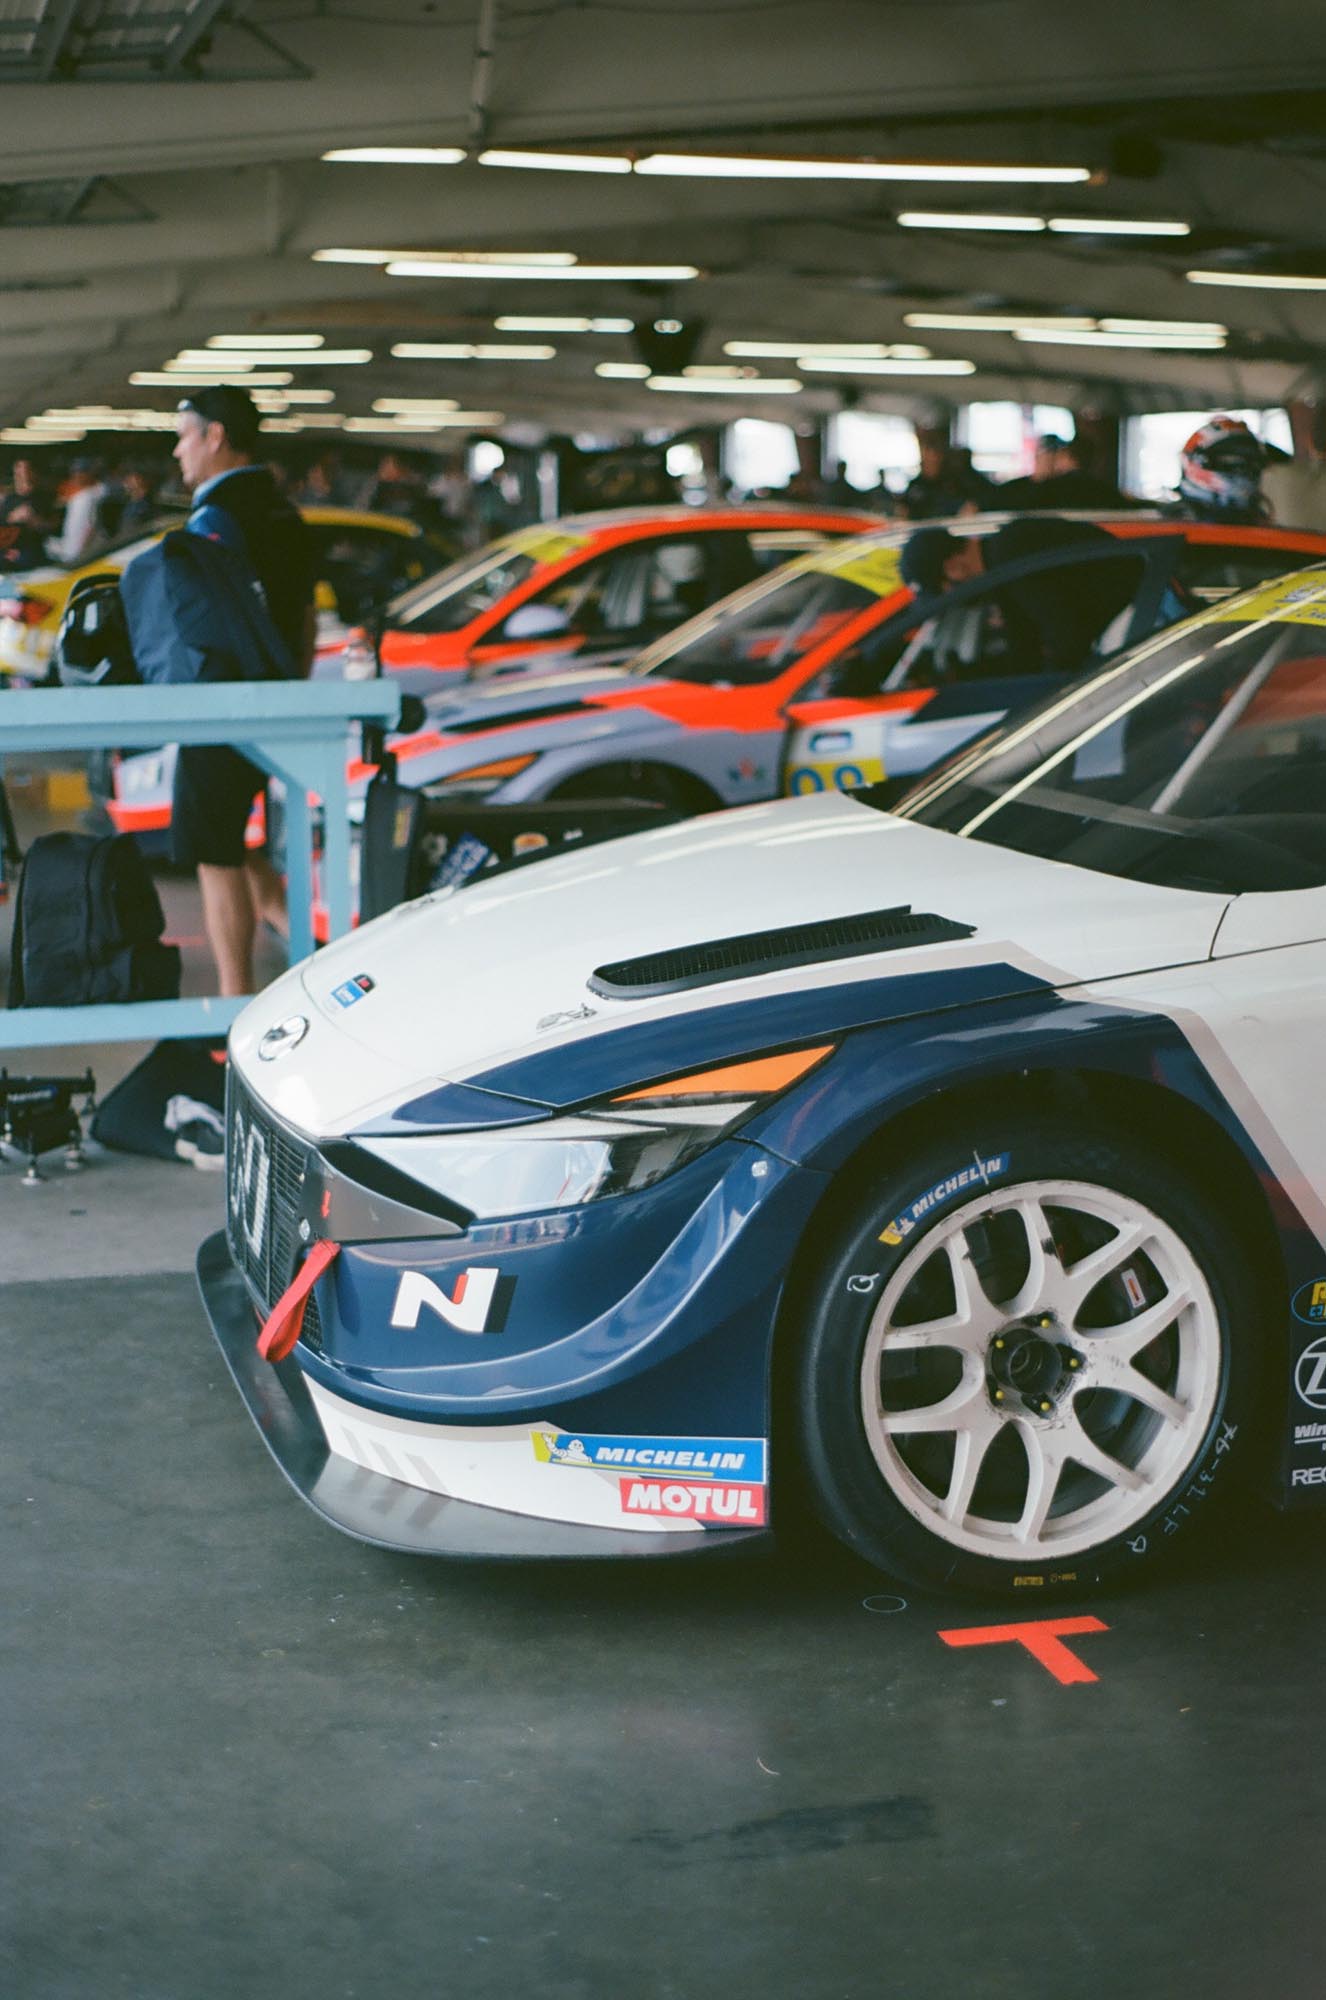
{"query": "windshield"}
(1198, 761)
(465, 590)
(754, 637)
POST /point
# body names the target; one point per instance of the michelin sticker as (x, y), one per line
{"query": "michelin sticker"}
(733, 1459)
(978, 1174)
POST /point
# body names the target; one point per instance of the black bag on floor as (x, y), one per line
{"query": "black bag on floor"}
(165, 1105)
(88, 924)
(195, 611)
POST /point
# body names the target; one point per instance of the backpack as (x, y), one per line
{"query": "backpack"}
(92, 646)
(88, 924)
(194, 611)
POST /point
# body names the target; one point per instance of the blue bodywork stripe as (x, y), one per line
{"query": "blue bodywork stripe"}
(624, 1057)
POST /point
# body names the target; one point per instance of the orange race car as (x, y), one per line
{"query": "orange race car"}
(593, 588)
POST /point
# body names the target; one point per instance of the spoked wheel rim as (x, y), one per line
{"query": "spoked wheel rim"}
(1041, 1370)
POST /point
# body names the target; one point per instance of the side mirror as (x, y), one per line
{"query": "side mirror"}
(535, 621)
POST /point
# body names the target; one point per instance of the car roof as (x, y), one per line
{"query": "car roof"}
(735, 515)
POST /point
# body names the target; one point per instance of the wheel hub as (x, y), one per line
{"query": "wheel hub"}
(1026, 1365)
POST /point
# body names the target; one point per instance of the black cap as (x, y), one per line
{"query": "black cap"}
(923, 557)
(234, 409)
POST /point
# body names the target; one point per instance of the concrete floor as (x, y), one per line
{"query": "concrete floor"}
(242, 1755)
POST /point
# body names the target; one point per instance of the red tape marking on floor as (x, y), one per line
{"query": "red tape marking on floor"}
(1043, 1639)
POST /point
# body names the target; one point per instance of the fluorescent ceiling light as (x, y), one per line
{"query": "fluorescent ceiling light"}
(844, 350)
(719, 371)
(524, 323)
(435, 350)
(1200, 342)
(25, 436)
(309, 395)
(992, 322)
(247, 341)
(1258, 280)
(324, 357)
(928, 218)
(185, 378)
(441, 420)
(416, 267)
(281, 424)
(1099, 225)
(354, 256)
(1208, 326)
(817, 364)
(736, 166)
(400, 156)
(415, 406)
(622, 371)
(764, 385)
(487, 256)
(563, 163)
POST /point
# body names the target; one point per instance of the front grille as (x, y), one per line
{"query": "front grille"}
(265, 1169)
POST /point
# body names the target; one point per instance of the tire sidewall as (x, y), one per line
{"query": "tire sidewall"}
(847, 1487)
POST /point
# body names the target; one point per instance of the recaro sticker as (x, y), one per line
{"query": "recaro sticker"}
(978, 1174)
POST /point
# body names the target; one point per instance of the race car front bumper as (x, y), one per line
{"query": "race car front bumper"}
(371, 1506)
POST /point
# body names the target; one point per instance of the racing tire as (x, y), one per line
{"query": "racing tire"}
(654, 784)
(1028, 1363)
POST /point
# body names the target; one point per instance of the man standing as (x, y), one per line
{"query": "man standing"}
(236, 502)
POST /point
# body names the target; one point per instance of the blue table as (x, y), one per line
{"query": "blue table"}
(297, 730)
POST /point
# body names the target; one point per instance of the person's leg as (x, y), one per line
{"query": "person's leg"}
(228, 922)
(214, 791)
(267, 894)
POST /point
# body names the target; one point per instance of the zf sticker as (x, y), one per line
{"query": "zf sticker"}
(978, 1174)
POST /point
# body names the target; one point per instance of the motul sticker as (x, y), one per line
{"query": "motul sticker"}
(739, 1506)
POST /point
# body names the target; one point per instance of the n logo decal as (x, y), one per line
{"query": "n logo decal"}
(474, 1307)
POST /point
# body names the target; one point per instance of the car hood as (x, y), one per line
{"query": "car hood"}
(488, 704)
(488, 987)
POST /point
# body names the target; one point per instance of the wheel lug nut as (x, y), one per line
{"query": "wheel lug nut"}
(998, 1395)
(1046, 1407)
(1075, 1361)
(1001, 1343)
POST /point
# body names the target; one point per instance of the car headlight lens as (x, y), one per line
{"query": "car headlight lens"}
(481, 778)
(617, 1146)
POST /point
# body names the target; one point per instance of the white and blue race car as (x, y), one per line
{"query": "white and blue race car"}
(957, 1173)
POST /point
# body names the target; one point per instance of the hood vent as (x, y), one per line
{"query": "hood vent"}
(506, 719)
(772, 951)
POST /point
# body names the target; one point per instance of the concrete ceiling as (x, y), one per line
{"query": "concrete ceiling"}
(162, 184)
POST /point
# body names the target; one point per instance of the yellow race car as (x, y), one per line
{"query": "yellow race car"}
(363, 559)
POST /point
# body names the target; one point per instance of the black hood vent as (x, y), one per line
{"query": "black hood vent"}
(507, 719)
(772, 951)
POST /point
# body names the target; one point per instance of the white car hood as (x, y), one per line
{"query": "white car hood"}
(471, 978)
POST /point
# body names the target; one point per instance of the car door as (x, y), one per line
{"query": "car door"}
(905, 695)
(610, 608)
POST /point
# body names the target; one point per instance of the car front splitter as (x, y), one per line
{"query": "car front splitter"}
(369, 1505)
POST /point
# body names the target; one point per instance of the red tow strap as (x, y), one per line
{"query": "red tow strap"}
(286, 1318)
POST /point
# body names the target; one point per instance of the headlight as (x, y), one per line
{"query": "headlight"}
(617, 1146)
(482, 778)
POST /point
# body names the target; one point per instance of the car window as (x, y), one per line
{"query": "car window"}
(1209, 572)
(647, 587)
(363, 565)
(1197, 761)
(464, 591)
(754, 642)
(1059, 619)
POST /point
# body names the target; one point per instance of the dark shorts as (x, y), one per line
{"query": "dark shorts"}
(214, 792)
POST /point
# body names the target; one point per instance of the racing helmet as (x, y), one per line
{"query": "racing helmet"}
(1220, 468)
